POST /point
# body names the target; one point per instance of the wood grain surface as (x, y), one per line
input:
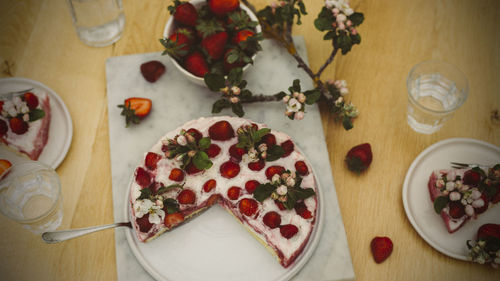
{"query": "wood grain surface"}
(38, 41)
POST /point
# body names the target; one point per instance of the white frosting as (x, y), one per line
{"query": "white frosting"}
(195, 182)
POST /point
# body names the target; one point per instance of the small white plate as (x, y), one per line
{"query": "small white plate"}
(215, 247)
(61, 126)
(416, 199)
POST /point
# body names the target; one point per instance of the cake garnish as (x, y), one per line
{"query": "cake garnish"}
(19, 112)
(221, 131)
(486, 248)
(188, 149)
(256, 146)
(229, 169)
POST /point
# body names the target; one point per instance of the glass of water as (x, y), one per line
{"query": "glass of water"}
(30, 194)
(436, 90)
(98, 23)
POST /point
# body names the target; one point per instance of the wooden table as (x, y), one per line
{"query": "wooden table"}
(38, 41)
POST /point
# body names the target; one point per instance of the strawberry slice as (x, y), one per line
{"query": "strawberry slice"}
(209, 185)
(221, 131)
(195, 133)
(301, 210)
(144, 224)
(213, 150)
(288, 147)
(31, 100)
(257, 166)
(359, 158)
(288, 230)
(186, 13)
(248, 206)
(4, 128)
(269, 140)
(176, 175)
(236, 153)
(153, 70)
(456, 209)
(229, 169)
(142, 177)
(301, 168)
(381, 248)
(280, 205)
(18, 125)
(174, 219)
(271, 171)
(472, 177)
(152, 160)
(251, 185)
(186, 196)
(234, 192)
(191, 169)
(272, 219)
(222, 7)
(4, 166)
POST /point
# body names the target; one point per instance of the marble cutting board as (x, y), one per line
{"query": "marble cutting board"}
(176, 101)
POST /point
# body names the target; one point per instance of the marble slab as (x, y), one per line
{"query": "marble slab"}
(176, 101)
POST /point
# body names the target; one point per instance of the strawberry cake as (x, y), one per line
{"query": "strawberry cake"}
(255, 173)
(25, 122)
(459, 195)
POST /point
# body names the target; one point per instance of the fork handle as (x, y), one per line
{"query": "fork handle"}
(63, 235)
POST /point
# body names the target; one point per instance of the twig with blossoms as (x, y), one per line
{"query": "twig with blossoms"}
(338, 20)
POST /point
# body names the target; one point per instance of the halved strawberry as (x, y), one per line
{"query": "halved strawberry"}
(31, 100)
(152, 70)
(288, 147)
(301, 168)
(257, 166)
(222, 7)
(229, 169)
(18, 126)
(135, 109)
(196, 64)
(381, 248)
(236, 153)
(4, 166)
(174, 219)
(213, 150)
(152, 160)
(269, 139)
(248, 206)
(301, 210)
(209, 185)
(221, 131)
(142, 177)
(472, 177)
(195, 133)
(4, 128)
(271, 171)
(191, 169)
(288, 230)
(176, 175)
(272, 219)
(251, 185)
(144, 224)
(456, 209)
(186, 13)
(186, 196)
(234, 192)
(359, 157)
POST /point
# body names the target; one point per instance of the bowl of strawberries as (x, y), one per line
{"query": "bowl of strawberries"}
(211, 36)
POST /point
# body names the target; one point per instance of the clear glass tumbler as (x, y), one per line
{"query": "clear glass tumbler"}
(436, 90)
(98, 23)
(30, 194)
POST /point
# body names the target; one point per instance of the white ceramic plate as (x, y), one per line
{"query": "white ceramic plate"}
(215, 247)
(61, 126)
(416, 199)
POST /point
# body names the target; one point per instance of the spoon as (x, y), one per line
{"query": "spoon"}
(52, 237)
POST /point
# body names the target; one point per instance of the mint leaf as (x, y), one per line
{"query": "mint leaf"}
(204, 143)
(219, 105)
(260, 133)
(440, 203)
(201, 161)
(171, 205)
(274, 153)
(263, 191)
(215, 82)
(36, 114)
(145, 194)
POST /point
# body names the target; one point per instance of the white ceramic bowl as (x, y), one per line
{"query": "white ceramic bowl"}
(169, 28)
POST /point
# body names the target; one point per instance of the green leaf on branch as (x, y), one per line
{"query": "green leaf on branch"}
(238, 109)
(324, 20)
(329, 35)
(215, 82)
(312, 96)
(356, 39)
(302, 8)
(219, 105)
(245, 94)
(357, 18)
(235, 75)
(295, 87)
(280, 95)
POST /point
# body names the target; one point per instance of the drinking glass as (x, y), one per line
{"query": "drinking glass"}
(436, 90)
(30, 194)
(98, 23)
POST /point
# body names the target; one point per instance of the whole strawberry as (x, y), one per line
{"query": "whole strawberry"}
(381, 248)
(152, 70)
(222, 7)
(184, 12)
(196, 64)
(215, 44)
(359, 158)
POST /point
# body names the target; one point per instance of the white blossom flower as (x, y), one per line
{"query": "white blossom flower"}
(234, 99)
(302, 98)
(339, 101)
(156, 215)
(181, 140)
(354, 31)
(299, 115)
(262, 147)
(469, 210)
(341, 18)
(286, 98)
(293, 105)
(344, 91)
(284, 176)
(282, 190)
(450, 186)
(348, 11)
(235, 90)
(290, 182)
(26, 117)
(455, 196)
(475, 194)
(478, 203)
(341, 26)
(275, 178)
(348, 23)
(295, 94)
(142, 207)
(190, 138)
(17, 101)
(11, 111)
(439, 183)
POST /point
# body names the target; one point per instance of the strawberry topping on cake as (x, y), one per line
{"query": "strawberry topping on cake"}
(255, 173)
(462, 194)
(25, 121)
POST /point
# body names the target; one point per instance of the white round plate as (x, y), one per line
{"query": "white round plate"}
(214, 247)
(419, 207)
(61, 126)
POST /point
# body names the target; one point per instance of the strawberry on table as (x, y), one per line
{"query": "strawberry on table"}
(152, 70)
(135, 109)
(196, 64)
(222, 7)
(359, 158)
(381, 248)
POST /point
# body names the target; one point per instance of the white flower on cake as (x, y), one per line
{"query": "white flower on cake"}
(146, 206)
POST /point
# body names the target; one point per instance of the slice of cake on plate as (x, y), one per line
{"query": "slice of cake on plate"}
(25, 122)
(255, 173)
(459, 195)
